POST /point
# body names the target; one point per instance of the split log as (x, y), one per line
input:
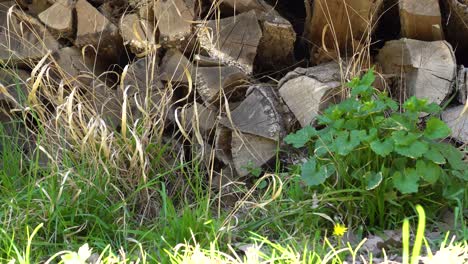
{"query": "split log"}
(420, 19)
(251, 152)
(210, 81)
(96, 30)
(457, 27)
(307, 92)
(22, 37)
(341, 22)
(233, 40)
(34, 7)
(137, 34)
(222, 144)
(105, 103)
(429, 68)
(176, 68)
(241, 6)
(13, 88)
(462, 84)
(174, 21)
(199, 118)
(258, 114)
(59, 18)
(458, 122)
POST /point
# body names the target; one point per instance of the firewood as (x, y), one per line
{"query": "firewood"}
(258, 114)
(22, 37)
(428, 68)
(309, 91)
(138, 34)
(222, 144)
(210, 81)
(462, 84)
(457, 27)
(174, 21)
(420, 19)
(337, 23)
(34, 7)
(96, 30)
(59, 18)
(251, 152)
(458, 123)
(233, 40)
(241, 6)
(13, 88)
(199, 118)
(176, 68)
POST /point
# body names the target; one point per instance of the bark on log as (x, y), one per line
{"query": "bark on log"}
(138, 34)
(420, 19)
(258, 114)
(59, 18)
(458, 123)
(233, 40)
(23, 38)
(462, 84)
(93, 28)
(341, 22)
(429, 68)
(309, 91)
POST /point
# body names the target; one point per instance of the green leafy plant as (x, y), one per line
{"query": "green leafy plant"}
(369, 142)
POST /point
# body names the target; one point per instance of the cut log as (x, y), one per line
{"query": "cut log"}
(340, 22)
(457, 27)
(176, 68)
(233, 40)
(420, 19)
(307, 92)
(137, 34)
(251, 152)
(22, 37)
(462, 84)
(105, 103)
(34, 7)
(59, 18)
(223, 138)
(276, 47)
(458, 123)
(200, 118)
(211, 81)
(241, 6)
(174, 21)
(96, 30)
(13, 88)
(429, 68)
(258, 114)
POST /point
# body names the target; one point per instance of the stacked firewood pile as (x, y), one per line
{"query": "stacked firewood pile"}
(232, 76)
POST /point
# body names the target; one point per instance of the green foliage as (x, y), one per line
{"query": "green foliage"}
(368, 144)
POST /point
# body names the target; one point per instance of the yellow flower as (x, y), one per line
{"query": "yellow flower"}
(339, 230)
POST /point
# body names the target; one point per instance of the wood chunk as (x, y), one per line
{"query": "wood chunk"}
(137, 34)
(462, 84)
(211, 80)
(458, 123)
(22, 37)
(276, 47)
(175, 67)
(13, 88)
(429, 68)
(174, 21)
(34, 7)
(258, 115)
(241, 6)
(106, 103)
(420, 19)
(199, 117)
(96, 30)
(250, 151)
(59, 18)
(233, 40)
(340, 21)
(307, 92)
(223, 138)
(456, 23)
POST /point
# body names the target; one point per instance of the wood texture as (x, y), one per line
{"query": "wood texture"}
(210, 81)
(458, 123)
(59, 18)
(174, 21)
(420, 19)
(138, 34)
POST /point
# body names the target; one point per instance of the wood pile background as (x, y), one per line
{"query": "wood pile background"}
(232, 77)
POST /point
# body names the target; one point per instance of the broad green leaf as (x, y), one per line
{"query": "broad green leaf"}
(370, 136)
(314, 174)
(382, 148)
(301, 137)
(432, 108)
(347, 142)
(452, 154)
(415, 150)
(362, 90)
(404, 138)
(434, 155)
(368, 78)
(373, 180)
(406, 182)
(415, 104)
(436, 129)
(428, 171)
